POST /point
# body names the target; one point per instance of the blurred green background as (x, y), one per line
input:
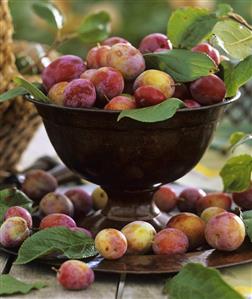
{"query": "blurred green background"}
(131, 19)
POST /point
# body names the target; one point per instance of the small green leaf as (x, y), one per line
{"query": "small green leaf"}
(195, 281)
(13, 197)
(73, 245)
(160, 112)
(50, 13)
(247, 215)
(234, 38)
(236, 173)
(189, 26)
(237, 75)
(236, 137)
(33, 90)
(95, 27)
(12, 93)
(182, 65)
(223, 9)
(9, 285)
(247, 219)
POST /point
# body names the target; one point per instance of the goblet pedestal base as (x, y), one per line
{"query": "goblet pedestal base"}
(124, 207)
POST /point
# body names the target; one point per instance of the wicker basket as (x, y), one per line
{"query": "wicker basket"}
(18, 118)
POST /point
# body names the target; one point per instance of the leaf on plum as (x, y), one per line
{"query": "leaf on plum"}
(73, 245)
(10, 285)
(50, 13)
(13, 197)
(236, 173)
(189, 26)
(195, 281)
(95, 27)
(156, 113)
(234, 38)
(183, 65)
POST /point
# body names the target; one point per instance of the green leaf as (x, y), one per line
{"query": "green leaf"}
(195, 281)
(12, 93)
(234, 38)
(182, 65)
(50, 13)
(73, 245)
(236, 76)
(13, 197)
(189, 26)
(236, 173)
(160, 112)
(247, 219)
(9, 285)
(33, 90)
(95, 27)
(236, 137)
(223, 9)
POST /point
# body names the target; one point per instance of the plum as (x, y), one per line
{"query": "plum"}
(214, 199)
(190, 224)
(126, 59)
(209, 50)
(181, 92)
(56, 93)
(139, 235)
(165, 198)
(75, 275)
(210, 212)
(153, 42)
(56, 203)
(111, 41)
(20, 212)
(191, 104)
(82, 230)
(111, 243)
(38, 183)
(97, 57)
(80, 93)
(121, 102)
(13, 232)
(148, 96)
(157, 79)
(108, 83)
(170, 241)
(99, 198)
(81, 200)
(88, 74)
(187, 199)
(57, 219)
(64, 68)
(244, 199)
(225, 231)
(208, 90)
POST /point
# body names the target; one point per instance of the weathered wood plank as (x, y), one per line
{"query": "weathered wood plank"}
(104, 286)
(144, 286)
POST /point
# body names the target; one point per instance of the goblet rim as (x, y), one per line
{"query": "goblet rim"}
(226, 101)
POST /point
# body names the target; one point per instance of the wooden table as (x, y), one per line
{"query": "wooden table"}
(107, 286)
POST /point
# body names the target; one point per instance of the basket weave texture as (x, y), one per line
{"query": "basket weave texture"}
(18, 118)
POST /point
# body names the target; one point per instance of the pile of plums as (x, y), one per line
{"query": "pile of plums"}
(197, 220)
(113, 76)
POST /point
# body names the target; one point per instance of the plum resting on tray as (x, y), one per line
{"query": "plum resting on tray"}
(115, 67)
